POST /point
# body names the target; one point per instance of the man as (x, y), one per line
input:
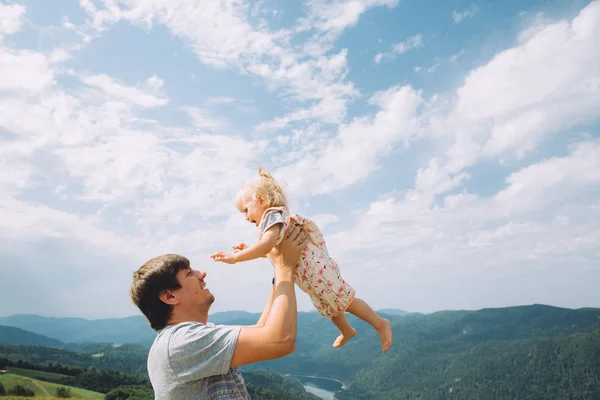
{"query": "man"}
(193, 359)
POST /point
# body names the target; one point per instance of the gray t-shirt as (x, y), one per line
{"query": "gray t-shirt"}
(192, 361)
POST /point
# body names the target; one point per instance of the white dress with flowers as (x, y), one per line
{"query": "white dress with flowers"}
(317, 274)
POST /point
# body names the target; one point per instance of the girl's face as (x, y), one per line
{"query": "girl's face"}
(254, 211)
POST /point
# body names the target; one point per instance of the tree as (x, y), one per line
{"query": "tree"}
(19, 390)
(130, 393)
(63, 392)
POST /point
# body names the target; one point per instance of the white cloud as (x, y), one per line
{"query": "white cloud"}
(113, 89)
(59, 55)
(329, 19)
(330, 110)
(220, 100)
(413, 42)
(459, 16)
(25, 71)
(17, 171)
(454, 57)
(416, 248)
(35, 221)
(202, 120)
(554, 180)
(338, 15)
(522, 96)
(435, 66)
(111, 172)
(204, 178)
(155, 83)
(91, 142)
(11, 18)
(546, 216)
(434, 180)
(92, 162)
(465, 220)
(324, 220)
(531, 91)
(327, 164)
(221, 36)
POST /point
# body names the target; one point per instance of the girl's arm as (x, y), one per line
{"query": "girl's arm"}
(262, 247)
(277, 336)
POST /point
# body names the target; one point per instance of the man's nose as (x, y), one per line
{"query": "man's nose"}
(200, 274)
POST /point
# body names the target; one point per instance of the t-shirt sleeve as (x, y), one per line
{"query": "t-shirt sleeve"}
(272, 218)
(197, 351)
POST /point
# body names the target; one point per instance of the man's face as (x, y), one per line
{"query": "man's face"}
(193, 292)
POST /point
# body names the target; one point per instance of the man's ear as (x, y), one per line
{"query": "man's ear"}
(168, 297)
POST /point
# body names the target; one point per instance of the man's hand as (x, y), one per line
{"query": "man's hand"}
(221, 256)
(288, 252)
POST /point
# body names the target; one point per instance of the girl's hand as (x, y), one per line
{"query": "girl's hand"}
(240, 247)
(228, 258)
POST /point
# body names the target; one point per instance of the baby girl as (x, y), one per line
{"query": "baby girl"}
(317, 274)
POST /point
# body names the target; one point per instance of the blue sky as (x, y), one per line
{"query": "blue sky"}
(449, 150)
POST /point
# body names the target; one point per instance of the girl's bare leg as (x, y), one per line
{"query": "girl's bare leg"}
(382, 325)
(347, 332)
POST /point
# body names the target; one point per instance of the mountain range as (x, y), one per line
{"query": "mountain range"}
(12, 335)
(526, 352)
(133, 329)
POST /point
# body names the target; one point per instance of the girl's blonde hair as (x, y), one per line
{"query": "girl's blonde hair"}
(264, 184)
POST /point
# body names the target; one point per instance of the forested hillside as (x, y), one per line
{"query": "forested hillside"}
(463, 354)
(529, 352)
(566, 367)
(116, 385)
(12, 335)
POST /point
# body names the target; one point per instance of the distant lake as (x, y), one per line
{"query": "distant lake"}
(321, 387)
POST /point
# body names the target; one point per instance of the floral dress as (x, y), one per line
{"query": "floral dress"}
(317, 274)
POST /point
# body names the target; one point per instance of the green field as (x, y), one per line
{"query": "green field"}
(33, 398)
(42, 389)
(41, 375)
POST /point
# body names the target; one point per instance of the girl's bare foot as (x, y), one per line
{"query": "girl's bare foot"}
(385, 334)
(343, 338)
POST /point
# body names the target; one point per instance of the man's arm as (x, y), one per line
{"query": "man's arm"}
(277, 337)
(267, 310)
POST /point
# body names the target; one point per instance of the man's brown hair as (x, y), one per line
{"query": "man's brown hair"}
(156, 275)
